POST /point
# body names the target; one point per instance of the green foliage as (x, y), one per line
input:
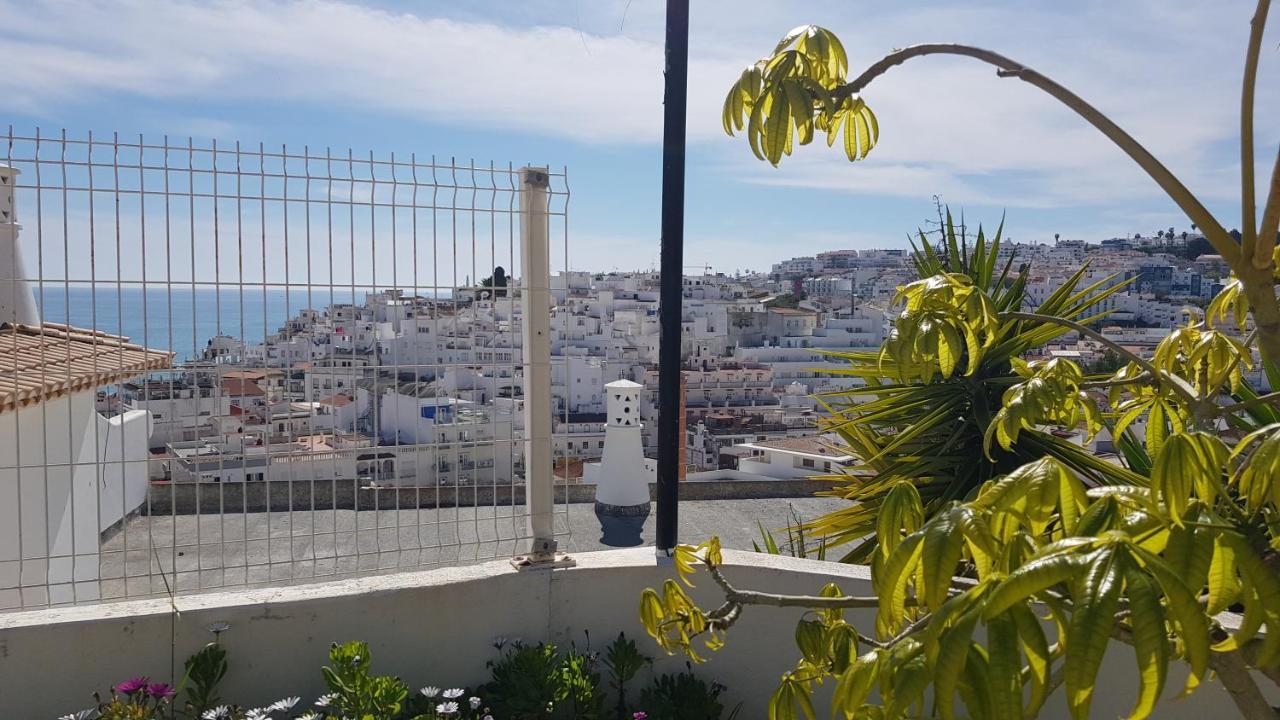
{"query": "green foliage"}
(786, 300)
(624, 661)
(796, 543)
(203, 674)
(1151, 566)
(359, 694)
(950, 369)
(783, 99)
(1051, 392)
(973, 518)
(537, 682)
(682, 696)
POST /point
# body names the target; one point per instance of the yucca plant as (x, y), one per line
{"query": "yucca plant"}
(934, 388)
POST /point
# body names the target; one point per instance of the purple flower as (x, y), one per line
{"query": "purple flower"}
(159, 690)
(129, 687)
(639, 715)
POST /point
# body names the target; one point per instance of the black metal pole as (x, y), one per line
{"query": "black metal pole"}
(669, 360)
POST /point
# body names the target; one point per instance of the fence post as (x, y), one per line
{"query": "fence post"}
(535, 331)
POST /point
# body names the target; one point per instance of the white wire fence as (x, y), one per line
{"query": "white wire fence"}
(225, 365)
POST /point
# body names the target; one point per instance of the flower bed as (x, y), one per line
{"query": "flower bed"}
(527, 682)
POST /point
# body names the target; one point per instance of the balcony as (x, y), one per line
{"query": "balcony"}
(278, 637)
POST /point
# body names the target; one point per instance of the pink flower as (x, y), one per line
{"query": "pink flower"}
(639, 715)
(129, 687)
(159, 690)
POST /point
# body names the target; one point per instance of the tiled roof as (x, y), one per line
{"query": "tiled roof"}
(39, 363)
(808, 445)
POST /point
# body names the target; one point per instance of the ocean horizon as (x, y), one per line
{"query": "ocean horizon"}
(183, 320)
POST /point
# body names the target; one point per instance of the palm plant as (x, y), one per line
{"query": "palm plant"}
(932, 391)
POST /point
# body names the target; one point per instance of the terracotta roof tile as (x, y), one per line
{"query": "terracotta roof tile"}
(39, 363)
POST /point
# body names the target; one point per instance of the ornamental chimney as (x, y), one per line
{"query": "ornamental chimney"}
(622, 487)
(17, 303)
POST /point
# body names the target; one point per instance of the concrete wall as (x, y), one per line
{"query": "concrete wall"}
(66, 475)
(279, 496)
(435, 627)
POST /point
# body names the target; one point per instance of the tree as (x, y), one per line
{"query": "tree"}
(1148, 552)
(497, 281)
(1195, 247)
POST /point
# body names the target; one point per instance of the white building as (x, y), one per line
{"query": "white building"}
(789, 458)
(67, 472)
(182, 407)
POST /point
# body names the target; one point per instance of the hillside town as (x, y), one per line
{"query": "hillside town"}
(405, 389)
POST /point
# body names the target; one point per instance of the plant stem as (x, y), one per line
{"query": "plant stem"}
(1213, 230)
(1178, 384)
(1268, 399)
(1262, 257)
(752, 597)
(1248, 200)
(1234, 675)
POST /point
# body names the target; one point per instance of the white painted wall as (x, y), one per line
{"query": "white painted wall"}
(279, 636)
(66, 474)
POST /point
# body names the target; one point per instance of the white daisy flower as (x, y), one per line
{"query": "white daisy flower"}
(454, 693)
(447, 708)
(218, 713)
(82, 715)
(324, 700)
(284, 704)
(430, 691)
(475, 703)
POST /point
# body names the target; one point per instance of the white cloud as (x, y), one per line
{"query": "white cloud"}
(539, 79)
(1167, 71)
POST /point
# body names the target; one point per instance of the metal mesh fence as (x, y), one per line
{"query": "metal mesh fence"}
(230, 364)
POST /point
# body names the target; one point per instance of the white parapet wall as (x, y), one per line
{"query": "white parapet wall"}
(436, 627)
(67, 474)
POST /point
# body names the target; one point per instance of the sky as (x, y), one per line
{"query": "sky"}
(577, 84)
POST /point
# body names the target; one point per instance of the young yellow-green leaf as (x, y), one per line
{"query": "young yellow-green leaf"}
(842, 647)
(1224, 586)
(1036, 646)
(975, 689)
(854, 686)
(1031, 578)
(1005, 668)
(1096, 596)
(942, 551)
(893, 586)
(811, 639)
(910, 679)
(953, 652)
(1185, 613)
(1150, 642)
(901, 512)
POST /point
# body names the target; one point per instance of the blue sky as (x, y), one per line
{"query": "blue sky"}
(578, 83)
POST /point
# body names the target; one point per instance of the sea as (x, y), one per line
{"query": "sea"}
(183, 320)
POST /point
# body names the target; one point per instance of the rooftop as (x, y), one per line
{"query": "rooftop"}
(39, 363)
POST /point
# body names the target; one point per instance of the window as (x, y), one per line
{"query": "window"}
(807, 462)
(601, 444)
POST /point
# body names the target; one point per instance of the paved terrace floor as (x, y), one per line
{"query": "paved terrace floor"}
(152, 555)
